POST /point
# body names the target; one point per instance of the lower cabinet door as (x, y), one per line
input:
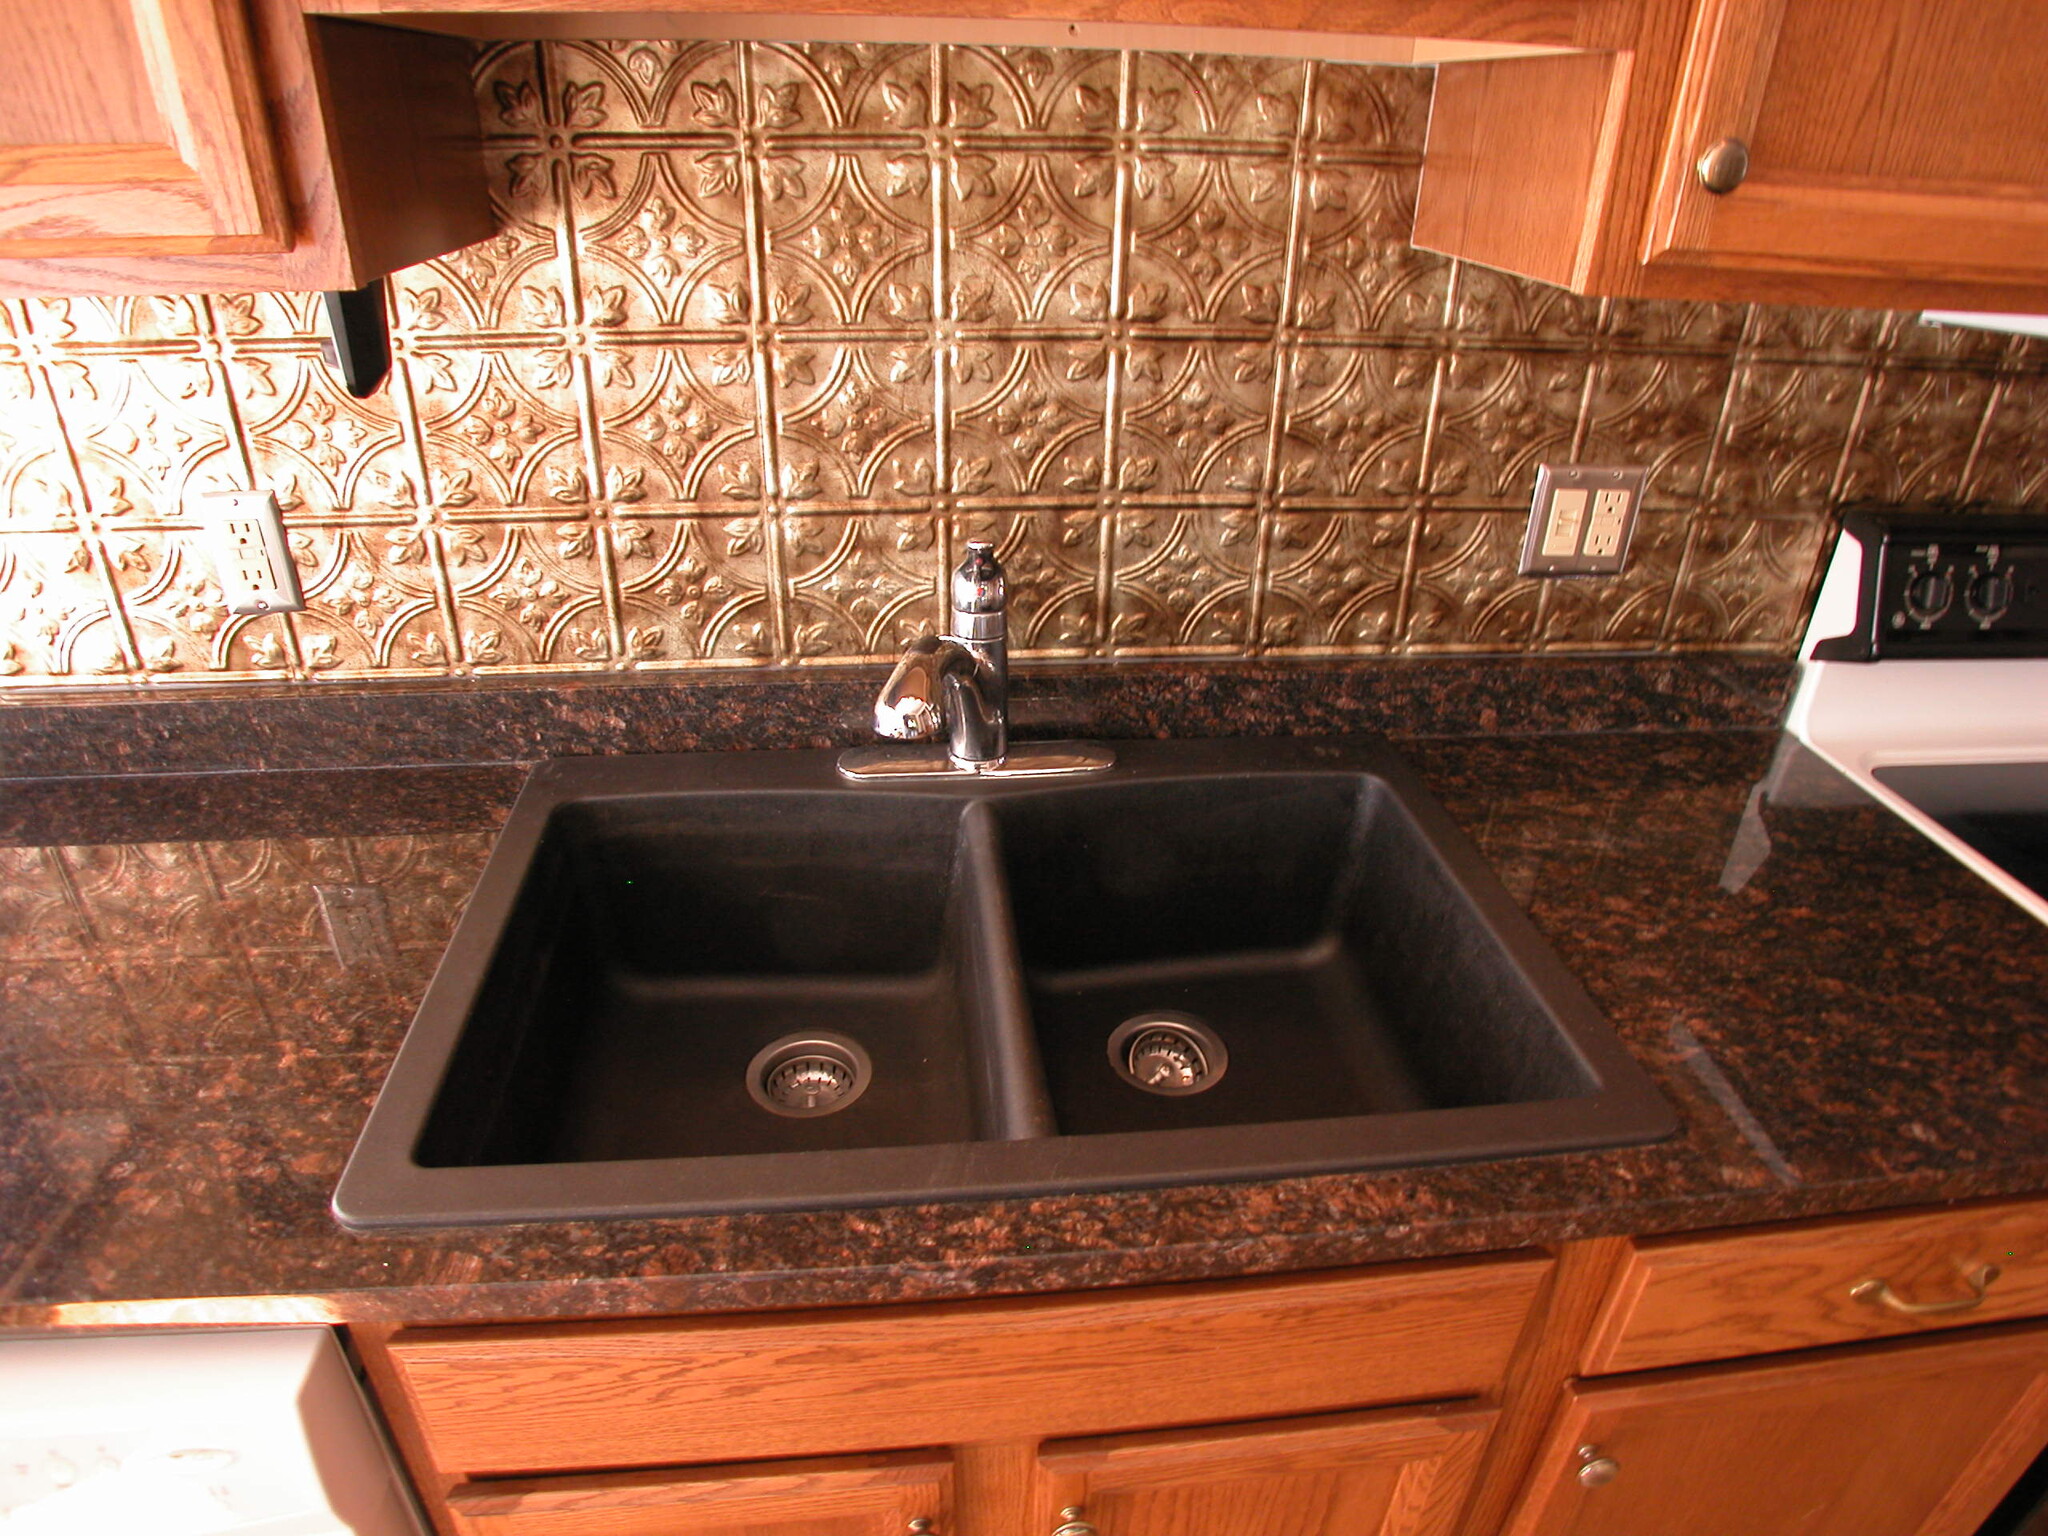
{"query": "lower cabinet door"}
(830, 1496)
(1917, 1439)
(1392, 1472)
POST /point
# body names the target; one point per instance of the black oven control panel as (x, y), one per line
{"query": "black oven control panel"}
(1946, 584)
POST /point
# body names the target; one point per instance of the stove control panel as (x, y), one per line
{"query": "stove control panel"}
(1945, 584)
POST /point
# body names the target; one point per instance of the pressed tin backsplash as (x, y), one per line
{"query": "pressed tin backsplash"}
(771, 330)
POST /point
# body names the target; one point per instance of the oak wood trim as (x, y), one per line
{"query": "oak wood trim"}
(213, 187)
(1535, 23)
(1551, 1343)
(410, 182)
(506, 1401)
(201, 65)
(1307, 1443)
(44, 165)
(1855, 226)
(1720, 95)
(757, 1496)
(1718, 1295)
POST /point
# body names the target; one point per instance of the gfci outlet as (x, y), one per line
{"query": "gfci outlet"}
(250, 554)
(1580, 522)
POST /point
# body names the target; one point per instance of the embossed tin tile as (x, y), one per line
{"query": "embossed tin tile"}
(1784, 433)
(1466, 595)
(1196, 418)
(1336, 581)
(2009, 466)
(1670, 403)
(1914, 440)
(1218, 97)
(1625, 612)
(1184, 581)
(769, 329)
(1748, 581)
(1356, 423)
(1499, 415)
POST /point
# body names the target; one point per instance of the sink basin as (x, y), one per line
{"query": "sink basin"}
(729, 981)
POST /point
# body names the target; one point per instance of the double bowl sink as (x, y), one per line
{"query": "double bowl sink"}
(732, 982)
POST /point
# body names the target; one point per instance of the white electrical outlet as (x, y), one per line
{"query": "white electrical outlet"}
(250, 554)
(1581, 519)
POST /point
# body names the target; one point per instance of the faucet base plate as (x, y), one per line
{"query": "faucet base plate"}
(1026, 760)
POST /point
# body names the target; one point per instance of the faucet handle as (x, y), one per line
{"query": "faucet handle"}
(979, 600)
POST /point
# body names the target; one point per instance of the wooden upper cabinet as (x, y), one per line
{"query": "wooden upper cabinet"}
(1892, 137)
(168, 146)
(1918, 1439)
(132, 127)
(1397, 1472)
(1886, 152)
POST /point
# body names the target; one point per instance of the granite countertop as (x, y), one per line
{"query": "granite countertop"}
(1844, 1018)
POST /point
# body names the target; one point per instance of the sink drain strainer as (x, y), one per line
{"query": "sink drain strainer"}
(1169, 1053)
(803, 1075)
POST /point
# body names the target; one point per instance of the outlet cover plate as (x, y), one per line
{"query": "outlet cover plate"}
(1582, 519)
(251, 558)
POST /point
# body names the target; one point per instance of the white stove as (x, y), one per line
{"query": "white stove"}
(1924, 678)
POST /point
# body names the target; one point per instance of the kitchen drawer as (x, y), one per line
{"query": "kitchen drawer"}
(841, 1496)
(529, 1399)
(1719, 1295)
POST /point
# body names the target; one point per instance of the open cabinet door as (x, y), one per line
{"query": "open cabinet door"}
(134, 127)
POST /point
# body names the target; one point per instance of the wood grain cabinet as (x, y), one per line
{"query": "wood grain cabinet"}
(1797, 1430)
(167, 149)
(1889, 151)
(171, 145)
(1243, 1409)
(1876, 1376)
(1918, 1439)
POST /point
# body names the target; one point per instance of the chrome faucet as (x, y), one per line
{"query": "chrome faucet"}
(956, 685)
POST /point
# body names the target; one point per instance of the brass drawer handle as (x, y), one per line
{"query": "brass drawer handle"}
(1879, 1294)
(1072, 1523)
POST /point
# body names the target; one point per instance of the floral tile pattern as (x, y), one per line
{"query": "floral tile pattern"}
(769, 330)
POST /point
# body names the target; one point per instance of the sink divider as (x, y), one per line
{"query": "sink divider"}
(1008, 1074)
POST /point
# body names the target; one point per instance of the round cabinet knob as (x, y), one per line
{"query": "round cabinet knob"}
(1723, 167)
(1072, 1524)
(920, 1527)
(1596, 1470)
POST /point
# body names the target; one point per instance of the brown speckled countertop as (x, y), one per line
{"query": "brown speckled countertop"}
(184, 1064)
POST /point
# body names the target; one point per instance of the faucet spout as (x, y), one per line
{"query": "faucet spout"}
(957, 684)
(942, 686)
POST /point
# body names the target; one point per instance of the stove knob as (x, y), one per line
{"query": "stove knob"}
(1989, 596)
(1928, 596)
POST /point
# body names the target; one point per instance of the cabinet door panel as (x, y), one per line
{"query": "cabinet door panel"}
(837, 1496)
(135, 127)
(1915, 1439)
(1897, 137)
(1394, 1472)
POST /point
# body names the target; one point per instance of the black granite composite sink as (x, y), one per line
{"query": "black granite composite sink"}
(730, 981)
